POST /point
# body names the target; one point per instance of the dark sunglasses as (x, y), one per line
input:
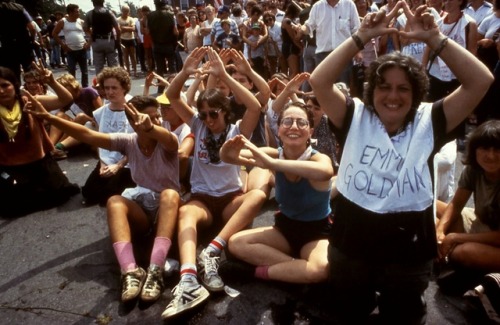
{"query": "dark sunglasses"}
(268, 20)
(213, 114)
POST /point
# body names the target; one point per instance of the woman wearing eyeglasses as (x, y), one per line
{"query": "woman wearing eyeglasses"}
(295, 248)
(217, 198)
(383, 240)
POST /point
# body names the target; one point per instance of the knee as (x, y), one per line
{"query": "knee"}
(464, 254)
(235, 245)
(114, 202)
(257, 195)
(318, 272)
(170, 197)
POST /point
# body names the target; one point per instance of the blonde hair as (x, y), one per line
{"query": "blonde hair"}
(69, 82)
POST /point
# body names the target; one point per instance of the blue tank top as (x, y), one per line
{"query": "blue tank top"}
(299, 200)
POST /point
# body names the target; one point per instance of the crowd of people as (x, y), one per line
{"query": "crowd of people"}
(350, 110)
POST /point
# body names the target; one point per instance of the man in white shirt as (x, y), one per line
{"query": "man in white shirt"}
(334, 21)
(74, 43)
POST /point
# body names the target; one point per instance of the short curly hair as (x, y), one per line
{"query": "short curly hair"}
(413, 69)
(115, 72)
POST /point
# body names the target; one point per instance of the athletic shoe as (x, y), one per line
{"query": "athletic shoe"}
(187, 295)
(58, 154)
(209, 265)
(153, 287)
(132, 283)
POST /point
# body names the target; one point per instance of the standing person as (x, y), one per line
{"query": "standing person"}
(74, 43)
(479, 10)
(217, 29)
(102, 28)
(163, 32)
(31, 179)
(295, 248)
(388, 202)
(148, 42)
(139, 37)
(291, 47)
(217, 198)
(17, 47)
(150, 207)
(334, 21)
(207, 24)
(462, 29)
(192, 36)
(127, 39)
(274, 43)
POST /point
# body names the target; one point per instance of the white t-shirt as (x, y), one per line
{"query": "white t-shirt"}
(215, 179)
(109, 121)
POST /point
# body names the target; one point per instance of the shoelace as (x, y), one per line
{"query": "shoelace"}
(131, 281)
(151, 280)
(211, 264)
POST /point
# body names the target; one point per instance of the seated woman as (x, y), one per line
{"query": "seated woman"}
(111, 174)
(383, 242)
(470, 237)
(149, 207)
(85, 101)
(37, 82)
(31, 179)
(295, 248)
(217, 197)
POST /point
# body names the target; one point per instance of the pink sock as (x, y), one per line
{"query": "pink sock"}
(125, 255)
(262, 272)
(160, 251)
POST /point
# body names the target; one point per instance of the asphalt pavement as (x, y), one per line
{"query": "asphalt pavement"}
(58, 267)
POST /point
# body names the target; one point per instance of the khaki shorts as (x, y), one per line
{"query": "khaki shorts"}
(472, 225)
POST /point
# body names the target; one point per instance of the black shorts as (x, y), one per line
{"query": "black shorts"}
(128, 42)
(299, 233)
(215, 205)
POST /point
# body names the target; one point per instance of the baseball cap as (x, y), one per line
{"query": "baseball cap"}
(163, 100)
(224, 9)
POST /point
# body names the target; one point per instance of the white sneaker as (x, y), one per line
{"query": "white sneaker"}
(187, 295)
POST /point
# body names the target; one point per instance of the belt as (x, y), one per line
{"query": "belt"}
(102, 36)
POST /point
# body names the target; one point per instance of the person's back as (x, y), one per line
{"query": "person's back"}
(15, 41)
(100, 22)
(160, 24)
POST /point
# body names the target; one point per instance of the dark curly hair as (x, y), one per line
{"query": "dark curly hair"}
(115, 72)
(215, 99)
(486, 135)
(413, 69)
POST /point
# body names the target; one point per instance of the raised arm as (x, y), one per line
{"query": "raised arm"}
(173, 92)
(77, 131)
(290, 91)
(323, 79)
(459, 104)
(243, 66)
(63, 97)
(318, 169)
(252, 113)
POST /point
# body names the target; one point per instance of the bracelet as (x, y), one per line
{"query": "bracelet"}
(151, 129)
(442, 44)
(358, 41)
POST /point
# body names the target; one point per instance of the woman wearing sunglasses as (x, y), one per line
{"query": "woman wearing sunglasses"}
(295, 248)
(217, 198)
(383, 238)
